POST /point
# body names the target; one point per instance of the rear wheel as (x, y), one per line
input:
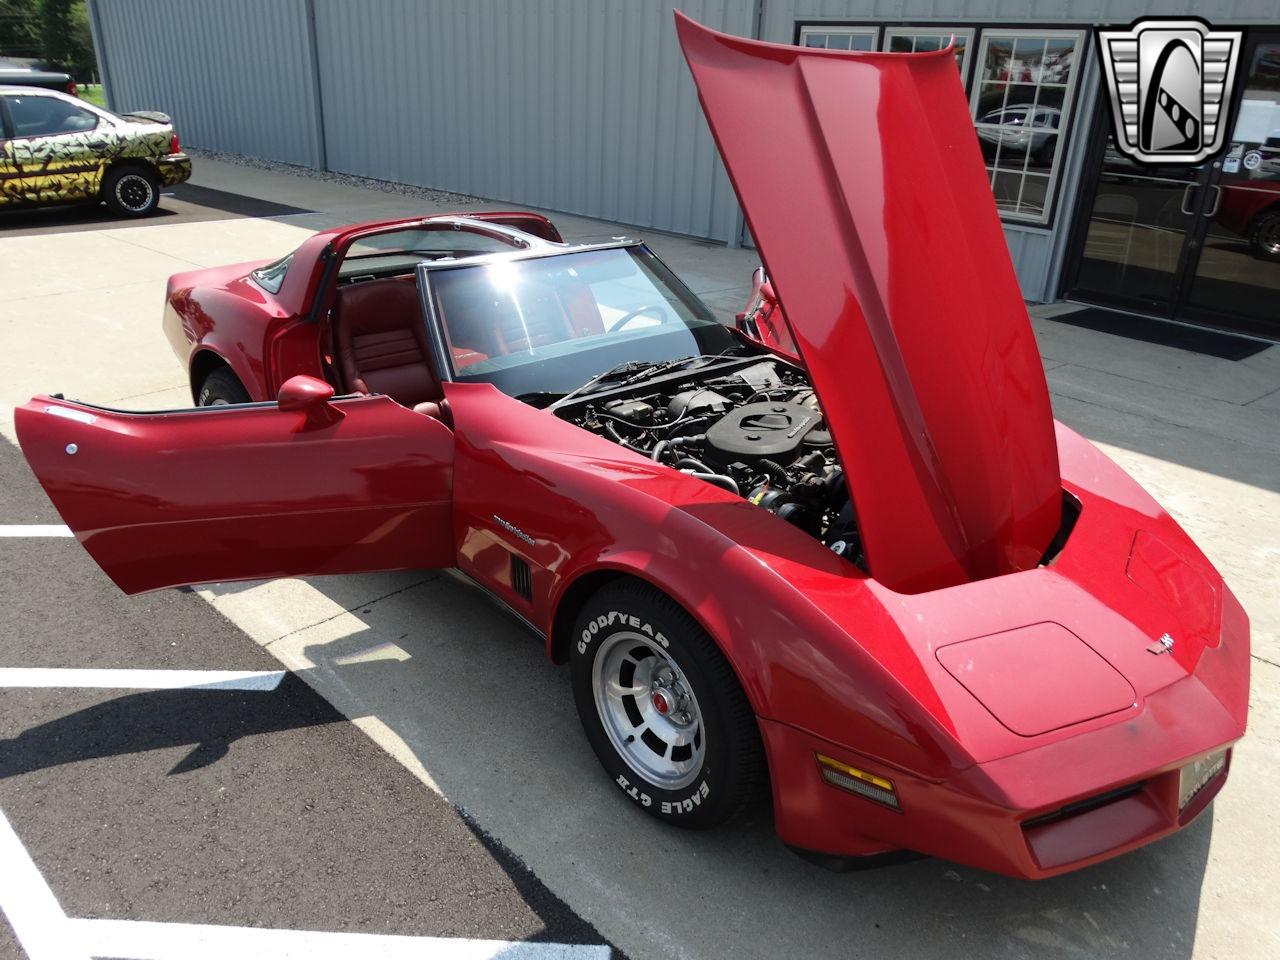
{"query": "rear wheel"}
(131, 191)
(220, 388)
(662, 708)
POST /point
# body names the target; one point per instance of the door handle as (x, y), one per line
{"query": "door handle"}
(1217, 202)
(1186, 195)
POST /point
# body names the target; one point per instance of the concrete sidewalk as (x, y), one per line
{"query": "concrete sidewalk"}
(82, 315)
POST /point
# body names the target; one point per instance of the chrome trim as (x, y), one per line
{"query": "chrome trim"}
(512, 529)
(1217, 201)
(1186, 195)
(542, 248)
(70, 413)
(511, 234)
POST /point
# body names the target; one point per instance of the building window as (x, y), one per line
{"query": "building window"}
(920, 39)
(840, 38)
(1021, 103)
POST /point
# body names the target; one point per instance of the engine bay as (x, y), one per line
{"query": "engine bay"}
(753, 427)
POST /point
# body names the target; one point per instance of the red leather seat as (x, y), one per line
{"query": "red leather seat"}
(489, 323)
(382, 341)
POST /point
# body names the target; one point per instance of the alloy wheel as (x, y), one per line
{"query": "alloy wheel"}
(648, 710)
(134, 192)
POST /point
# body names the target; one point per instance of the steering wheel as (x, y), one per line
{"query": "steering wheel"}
(654, 309)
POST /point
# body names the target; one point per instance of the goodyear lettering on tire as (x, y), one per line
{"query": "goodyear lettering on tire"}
(624, 620)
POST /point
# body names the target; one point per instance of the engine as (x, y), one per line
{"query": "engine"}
(754, 428)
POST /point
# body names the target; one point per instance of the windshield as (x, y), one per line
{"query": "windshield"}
(547, 325)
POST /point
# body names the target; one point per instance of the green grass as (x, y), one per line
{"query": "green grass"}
(93, 93)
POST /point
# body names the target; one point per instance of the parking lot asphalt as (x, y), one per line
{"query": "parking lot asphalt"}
(259, 808)
(184, 203)
(416, 715)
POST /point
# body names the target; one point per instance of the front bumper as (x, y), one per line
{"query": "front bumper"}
(174, 169)
(1035, 814)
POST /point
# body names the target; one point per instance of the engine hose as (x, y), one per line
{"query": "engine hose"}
(657, 450)
(694, 464)
(719, 479)
(684, 425)
(616, 437)
(776, 471)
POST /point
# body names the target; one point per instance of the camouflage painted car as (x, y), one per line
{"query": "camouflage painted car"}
(57, 149)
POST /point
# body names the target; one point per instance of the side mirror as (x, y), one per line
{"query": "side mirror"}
(304, 393)
(309, 395)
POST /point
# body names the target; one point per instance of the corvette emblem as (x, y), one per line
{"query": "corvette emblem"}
(512, 529)
(1163, 645)
(1170, 83)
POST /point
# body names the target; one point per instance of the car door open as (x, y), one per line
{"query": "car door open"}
(309, 485)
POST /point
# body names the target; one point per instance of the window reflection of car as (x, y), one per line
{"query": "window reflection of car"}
(1251, 209)
(1021, 128)
(1268, 65)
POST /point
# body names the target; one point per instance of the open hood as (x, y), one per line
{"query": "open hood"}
(862, 181)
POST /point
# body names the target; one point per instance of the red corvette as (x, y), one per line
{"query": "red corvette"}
(841, 549)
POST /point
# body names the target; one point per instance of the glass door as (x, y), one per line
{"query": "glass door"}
(1138, 233)
(1198, 244)
(1237, 271)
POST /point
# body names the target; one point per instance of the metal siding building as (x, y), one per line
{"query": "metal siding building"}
(574, 105)
(234, 74)
(583, 106)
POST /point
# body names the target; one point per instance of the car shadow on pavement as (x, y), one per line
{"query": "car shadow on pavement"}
(184, 203)
(495, 727)
(208, 720)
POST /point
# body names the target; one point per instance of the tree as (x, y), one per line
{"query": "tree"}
(84, 61)
(55, 31)
(19, 28)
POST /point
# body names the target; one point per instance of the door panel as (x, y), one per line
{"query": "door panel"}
(10, 188)
(246, 492)
(64, 167)
(58, 147)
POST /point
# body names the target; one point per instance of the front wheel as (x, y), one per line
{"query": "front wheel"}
(662, 708)
(131, 192)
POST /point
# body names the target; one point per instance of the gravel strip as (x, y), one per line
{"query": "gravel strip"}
(384, 186)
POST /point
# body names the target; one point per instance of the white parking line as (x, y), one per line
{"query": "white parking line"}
(36, 530)
(45, 932)
(146, 940)
(33, 911)
(141, 679)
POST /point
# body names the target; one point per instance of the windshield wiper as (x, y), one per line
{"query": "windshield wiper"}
(664, 367)
(608, 376)
(633, 371)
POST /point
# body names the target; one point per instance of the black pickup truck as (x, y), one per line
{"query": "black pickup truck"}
(14, 74)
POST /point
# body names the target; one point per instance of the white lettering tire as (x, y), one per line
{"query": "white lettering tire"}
(662, 708)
